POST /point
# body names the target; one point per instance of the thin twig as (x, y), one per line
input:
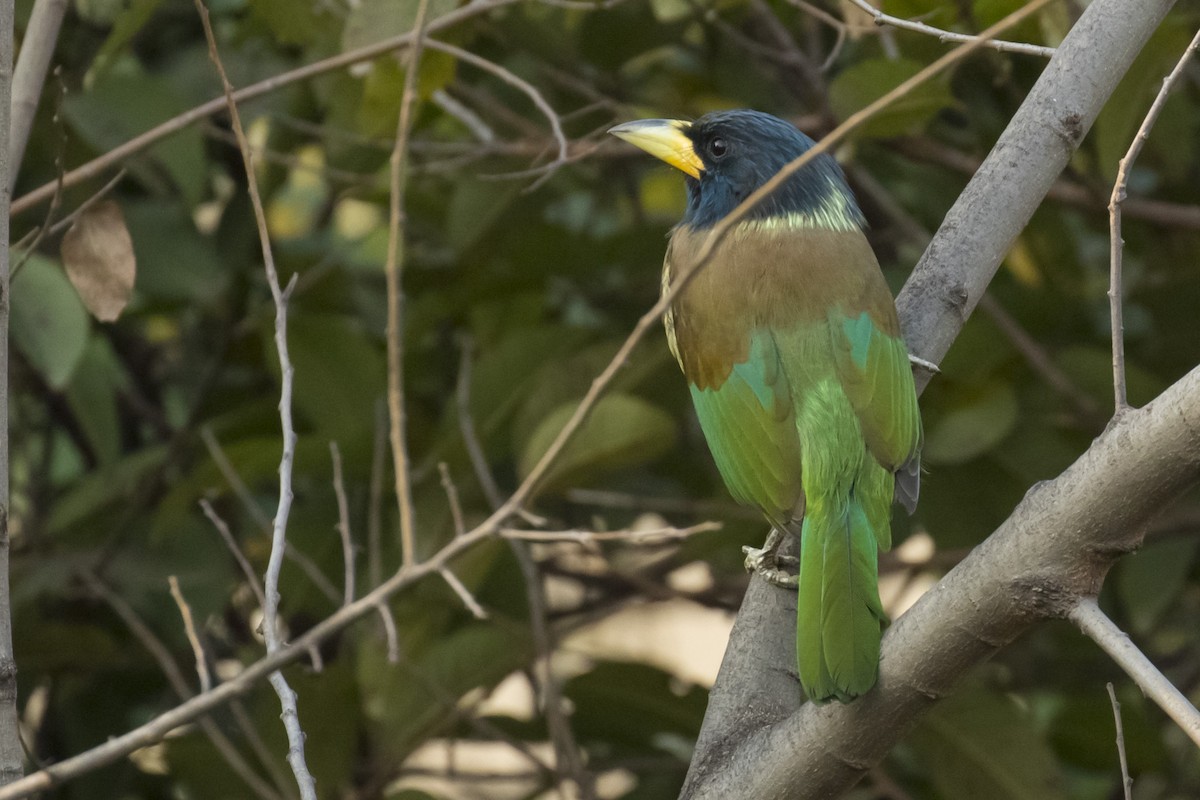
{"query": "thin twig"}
(451, 490)
(389, 632)
(242, 491)
(463, 593)
(343, 524)
(269, 762)
(375, 496)
(1116, 249)
(1158, 212)
(529, 91)
(523, 86)
(561, 734)
(1112, 640)
(280, 295)
(393, 267)
(141, 631)
(466, 425)
(193, 637)
(1126, 781)
(949, 36)
(242, 562)
(461, 112)
(1039, 360)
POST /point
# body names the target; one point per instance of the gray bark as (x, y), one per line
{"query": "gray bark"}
(37, 48)
(11, 754)
(757, 739)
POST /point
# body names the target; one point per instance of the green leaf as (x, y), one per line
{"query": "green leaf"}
(92, 396)
(124, 105)
(976, 423)
(127, 25)
(49, 323)
(981, 745)
(475, 206)
(177, 263)
(291, 22)
(865, 82)
(622, 430)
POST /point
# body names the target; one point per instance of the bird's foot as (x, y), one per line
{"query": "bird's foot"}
(766, 561)
(928, 366)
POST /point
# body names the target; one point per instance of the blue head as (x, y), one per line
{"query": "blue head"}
(726, 155)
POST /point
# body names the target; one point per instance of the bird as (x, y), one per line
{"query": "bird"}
(789, 341)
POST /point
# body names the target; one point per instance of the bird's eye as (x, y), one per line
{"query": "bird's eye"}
(718, 147)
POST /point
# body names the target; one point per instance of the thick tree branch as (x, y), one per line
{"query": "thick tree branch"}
(1024, 164)
(757, 741)
(37, 48)
(11, 754)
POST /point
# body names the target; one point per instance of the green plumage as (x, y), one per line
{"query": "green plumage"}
(790, 344)
(805, 395)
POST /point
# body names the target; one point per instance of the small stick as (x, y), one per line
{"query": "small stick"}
(1115, 243)
(1126, 781)
(343, 525)
(1112, 640)
(189, 627)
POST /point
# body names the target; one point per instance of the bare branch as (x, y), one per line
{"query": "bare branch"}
(375, 496)
(1158, 212)
(466, 425)
(238, 555)
(463, 593)
(189, 628)
(1112, 640)
(1116, 250)
(451, 490)
(179, 684)
(392, 268)
(1126, 781)
(949, 36)
(287, 697)
(389, 632)
(11, 751)
(343, 525)
(518, 83)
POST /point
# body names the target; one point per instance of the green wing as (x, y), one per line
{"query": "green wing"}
(872, 363)
(750, 427)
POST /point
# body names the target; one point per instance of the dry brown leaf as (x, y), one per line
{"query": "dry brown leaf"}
(98, 255)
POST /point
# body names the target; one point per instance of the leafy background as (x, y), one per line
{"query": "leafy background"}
(532, 287)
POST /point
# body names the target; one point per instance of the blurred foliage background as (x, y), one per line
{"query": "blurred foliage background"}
(519, 287)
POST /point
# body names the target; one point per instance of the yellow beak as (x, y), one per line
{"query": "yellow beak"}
(663, 138)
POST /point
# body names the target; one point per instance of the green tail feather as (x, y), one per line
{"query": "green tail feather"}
(838, 609)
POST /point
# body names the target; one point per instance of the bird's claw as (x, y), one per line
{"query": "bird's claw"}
(765, 561)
